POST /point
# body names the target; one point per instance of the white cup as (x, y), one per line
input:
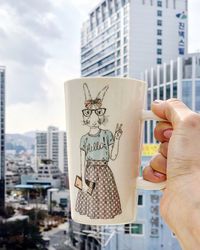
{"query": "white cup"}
(105, 121)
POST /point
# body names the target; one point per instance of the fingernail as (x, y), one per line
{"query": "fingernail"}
(157, 101)
(158, 174)
(168, 133)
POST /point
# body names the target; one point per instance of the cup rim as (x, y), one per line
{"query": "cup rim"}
(106, 78)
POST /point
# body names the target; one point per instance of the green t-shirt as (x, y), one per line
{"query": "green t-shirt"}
(96, 146)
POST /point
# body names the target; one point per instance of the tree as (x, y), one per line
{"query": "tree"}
(20, 235)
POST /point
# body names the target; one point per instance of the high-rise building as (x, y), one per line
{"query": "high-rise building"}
(52, 144)
(180, 79)
(125, 37)
(2, 138)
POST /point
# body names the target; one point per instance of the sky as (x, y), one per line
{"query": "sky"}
(40, 47)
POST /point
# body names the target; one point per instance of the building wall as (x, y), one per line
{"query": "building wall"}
(2, 136)
(146, 19)
(178, 79)
(124, 40)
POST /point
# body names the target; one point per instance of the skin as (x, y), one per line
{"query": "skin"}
(94, 126)
(178, 162)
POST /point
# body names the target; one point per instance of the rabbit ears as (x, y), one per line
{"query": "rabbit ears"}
(100, 95)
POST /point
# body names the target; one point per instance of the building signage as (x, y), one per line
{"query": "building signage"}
(154, 218)
(181, 32)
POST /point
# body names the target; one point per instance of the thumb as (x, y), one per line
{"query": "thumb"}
(172, 110)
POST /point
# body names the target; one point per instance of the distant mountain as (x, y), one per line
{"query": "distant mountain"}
(20, 142)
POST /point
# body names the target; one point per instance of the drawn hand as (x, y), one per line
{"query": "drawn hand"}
(84, 186)
(118, 131)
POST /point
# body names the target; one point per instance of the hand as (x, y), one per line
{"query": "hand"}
(118, 131)
(84, 186)
(178, 161)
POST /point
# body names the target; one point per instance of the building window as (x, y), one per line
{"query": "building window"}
(187, 93)
(140, 200)
(118, 62)
(168, 91)
(159, 51)
(118, 44)
(125, 59)
(167, 3)
(118, 53)
(125, 39)
(155, 94)
(125, 49)
(118, 72)
(134, 228)
(159, 42)
(118, 34)
(159, 3)
(159, 32)
(159, 13)
(175, 93)
(159, 61)
(125, 69)
(159, 22)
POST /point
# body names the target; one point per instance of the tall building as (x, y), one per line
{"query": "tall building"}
(2, 138)
(52, 144)
(178, 79)
(125, 37)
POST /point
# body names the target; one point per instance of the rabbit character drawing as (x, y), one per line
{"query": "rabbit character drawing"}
(97, 147)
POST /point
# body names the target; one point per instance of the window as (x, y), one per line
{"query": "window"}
(197, 91)
(140, 200)
(159, 22)
(159, 32)
(125, 39)
(168, 91)
(159, 4)
(118, 34)
(155, 94)
(125, 69)
(159, 61)
(118, 44)
(118, 62)
(175, 92)
(187, 93)
(133, 228)
(159, 13)
(118, 72)
(125, 49)
(174, 4)
(118, 53)
(159, 42)
(161, 93)
(125, 59)
(159, 51)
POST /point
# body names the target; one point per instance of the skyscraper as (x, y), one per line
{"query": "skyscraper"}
(52, 144)
(125, 37)
(2, 138)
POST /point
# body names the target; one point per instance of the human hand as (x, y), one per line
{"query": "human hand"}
(118, 131)
(178, 161)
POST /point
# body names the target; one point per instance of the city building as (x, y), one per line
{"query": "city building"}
(58, 200)
(180, 79)
(52, 144)
(48, 175)
(2, 138)
(126, 37)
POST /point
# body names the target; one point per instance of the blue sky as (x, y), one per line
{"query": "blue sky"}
(40, 47)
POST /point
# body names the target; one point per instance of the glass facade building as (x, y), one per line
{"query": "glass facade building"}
(2, 141)
(178, 79)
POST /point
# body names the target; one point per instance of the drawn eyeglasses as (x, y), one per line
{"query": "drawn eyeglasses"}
(99, 112)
